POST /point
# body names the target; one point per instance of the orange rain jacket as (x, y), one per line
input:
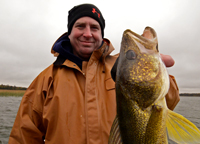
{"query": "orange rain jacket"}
(67, 105)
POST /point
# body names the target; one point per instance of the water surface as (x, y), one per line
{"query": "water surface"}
(188, 107)
(8, 110)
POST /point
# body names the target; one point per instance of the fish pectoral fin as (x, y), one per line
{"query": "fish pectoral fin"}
(115, 135)
(181, 130)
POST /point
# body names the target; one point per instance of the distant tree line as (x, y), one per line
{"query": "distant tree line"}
(8, 87)
(189, 94)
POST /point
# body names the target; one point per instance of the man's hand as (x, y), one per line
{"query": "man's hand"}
(168, 60)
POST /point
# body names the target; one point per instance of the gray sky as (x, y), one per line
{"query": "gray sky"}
(28, 29)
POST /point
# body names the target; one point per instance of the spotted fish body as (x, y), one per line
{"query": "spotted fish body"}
(141, 85)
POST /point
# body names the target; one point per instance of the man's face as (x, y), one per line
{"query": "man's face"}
(85, 37)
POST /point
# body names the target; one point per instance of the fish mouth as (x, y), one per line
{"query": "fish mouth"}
(149, 35)
(148, 44)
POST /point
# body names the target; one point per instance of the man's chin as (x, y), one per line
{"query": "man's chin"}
(85, 56)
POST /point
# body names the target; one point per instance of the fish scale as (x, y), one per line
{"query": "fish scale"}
(141, 84)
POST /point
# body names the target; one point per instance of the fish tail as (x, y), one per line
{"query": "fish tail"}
(181, 130)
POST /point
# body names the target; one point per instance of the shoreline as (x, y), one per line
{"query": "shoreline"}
(189, 94)
(19, 93)
(16, 93)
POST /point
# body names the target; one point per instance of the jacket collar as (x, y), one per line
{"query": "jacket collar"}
(63, 47)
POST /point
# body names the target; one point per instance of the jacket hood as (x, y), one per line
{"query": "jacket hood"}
(63, 49)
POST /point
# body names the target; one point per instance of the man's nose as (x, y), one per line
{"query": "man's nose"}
(87, 32)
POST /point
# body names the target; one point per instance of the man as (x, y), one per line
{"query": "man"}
(73, 100)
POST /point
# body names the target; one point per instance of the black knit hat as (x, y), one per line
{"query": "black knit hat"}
(85, 10)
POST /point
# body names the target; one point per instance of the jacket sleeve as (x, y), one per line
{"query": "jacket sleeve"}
(28, 127)
(172, 97)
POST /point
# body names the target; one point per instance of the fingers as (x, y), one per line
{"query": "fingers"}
(168, 60)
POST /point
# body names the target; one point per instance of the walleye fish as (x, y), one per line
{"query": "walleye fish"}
(142, 82)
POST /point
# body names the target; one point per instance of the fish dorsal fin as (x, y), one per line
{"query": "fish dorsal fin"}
(115, 136)
(181, 130)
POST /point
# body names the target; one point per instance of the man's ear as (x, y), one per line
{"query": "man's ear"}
(114, 70)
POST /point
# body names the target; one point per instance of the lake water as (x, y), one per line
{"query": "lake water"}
(8, 110)
(188, 107)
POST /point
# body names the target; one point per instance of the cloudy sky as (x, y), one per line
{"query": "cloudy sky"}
(28, 29)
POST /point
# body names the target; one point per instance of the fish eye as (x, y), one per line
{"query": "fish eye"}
(130, 55)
